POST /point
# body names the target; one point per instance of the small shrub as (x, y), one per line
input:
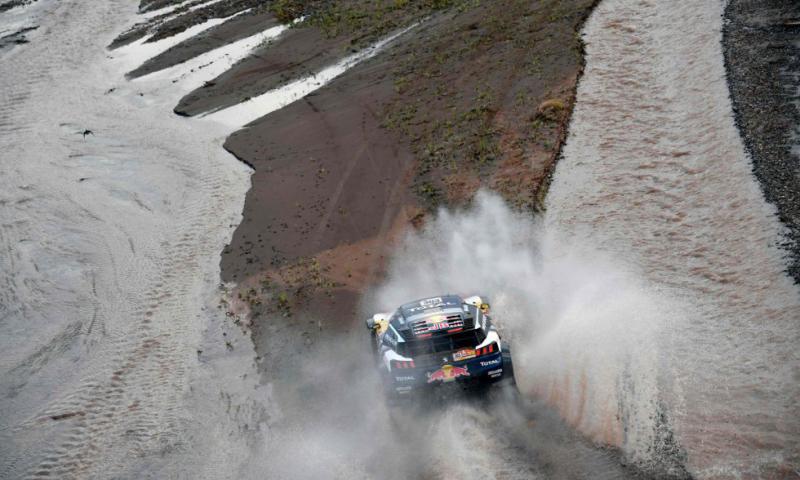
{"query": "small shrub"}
(554, 104)
(286, 11)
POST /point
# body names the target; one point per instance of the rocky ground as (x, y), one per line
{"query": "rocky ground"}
(762, 54)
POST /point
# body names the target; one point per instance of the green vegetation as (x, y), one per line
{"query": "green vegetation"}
(282, 291)
(484, 96)
(362, 20)
(286, 11)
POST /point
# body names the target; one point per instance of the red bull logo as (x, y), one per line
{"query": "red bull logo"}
(447, 373)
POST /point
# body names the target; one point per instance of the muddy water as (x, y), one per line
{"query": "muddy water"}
(109, 267)
(654, 171)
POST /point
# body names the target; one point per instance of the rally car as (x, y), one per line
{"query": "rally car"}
(438, 340)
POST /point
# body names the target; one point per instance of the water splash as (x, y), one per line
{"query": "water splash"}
(585, 326)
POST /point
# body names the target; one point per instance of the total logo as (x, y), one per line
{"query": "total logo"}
(404, 379)
(447, 373)
(490, 363)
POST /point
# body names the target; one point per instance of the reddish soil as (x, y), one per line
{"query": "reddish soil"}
(327, 179)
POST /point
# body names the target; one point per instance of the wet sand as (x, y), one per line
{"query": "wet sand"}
(762, 56)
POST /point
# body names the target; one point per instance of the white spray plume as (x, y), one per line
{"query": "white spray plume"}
(584, 326)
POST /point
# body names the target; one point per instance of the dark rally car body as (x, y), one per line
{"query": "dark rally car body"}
(439, 340)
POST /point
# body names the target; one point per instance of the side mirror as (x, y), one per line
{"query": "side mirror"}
(370, 323)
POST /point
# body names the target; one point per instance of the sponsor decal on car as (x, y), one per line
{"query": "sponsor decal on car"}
(464, 354)
(427, 304)
(438, 325)
(490, 363)
(404, 379)
(447, 373)
(496, 373)
(431, 302)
